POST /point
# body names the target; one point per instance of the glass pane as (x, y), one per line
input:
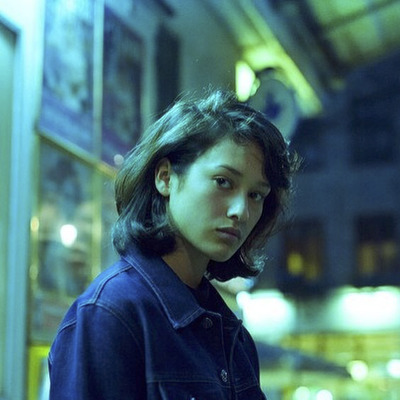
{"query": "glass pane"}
(377, 250)
(122, 76)
(67, 95)
(304, 247)
(64, 239)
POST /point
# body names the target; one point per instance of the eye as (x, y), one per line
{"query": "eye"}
(223, 182)
(258, 196)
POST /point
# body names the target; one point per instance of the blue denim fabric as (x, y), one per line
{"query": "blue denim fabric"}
(138, 333)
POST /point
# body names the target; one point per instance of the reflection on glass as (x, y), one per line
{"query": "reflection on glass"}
(65, 221)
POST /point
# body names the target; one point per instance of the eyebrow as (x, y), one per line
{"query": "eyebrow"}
(238, 173)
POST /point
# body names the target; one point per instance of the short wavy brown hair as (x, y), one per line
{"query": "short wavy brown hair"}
(187, 130)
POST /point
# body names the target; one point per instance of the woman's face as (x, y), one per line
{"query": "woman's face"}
(218, 201)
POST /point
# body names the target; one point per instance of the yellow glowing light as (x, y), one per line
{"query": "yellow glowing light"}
(358, 370)
(245, 81)
(266, 51)
(34, 224)
(274, 56)
(68, 234)
(295, 263)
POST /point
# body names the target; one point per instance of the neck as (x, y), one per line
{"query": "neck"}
(190, 267)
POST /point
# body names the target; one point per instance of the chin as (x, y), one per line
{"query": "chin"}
(220, 253)
(221, 257)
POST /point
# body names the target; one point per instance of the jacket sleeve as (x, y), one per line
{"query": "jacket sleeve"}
(96, 356)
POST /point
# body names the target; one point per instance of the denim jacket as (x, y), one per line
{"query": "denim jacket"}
(139, 333)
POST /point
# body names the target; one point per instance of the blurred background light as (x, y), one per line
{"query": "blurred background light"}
(324, 395)
(273, 55)
(393, 368)
(118, 160)
(34, 224)
(68, 234)
(358, 370)
(267, 313)
(245, 81)
(302, 393)
(371, 308)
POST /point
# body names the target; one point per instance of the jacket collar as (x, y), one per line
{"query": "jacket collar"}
(174, 296)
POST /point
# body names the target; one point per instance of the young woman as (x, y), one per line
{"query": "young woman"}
(196, 197)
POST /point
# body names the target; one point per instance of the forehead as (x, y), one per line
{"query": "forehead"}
(244, 157)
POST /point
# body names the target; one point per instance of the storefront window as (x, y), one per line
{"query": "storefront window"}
(303, 257)
(377, 250)
(64, 239)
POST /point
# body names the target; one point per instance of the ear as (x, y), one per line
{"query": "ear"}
(162, 177)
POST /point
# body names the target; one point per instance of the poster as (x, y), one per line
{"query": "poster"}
(67, 94)
(122, 74)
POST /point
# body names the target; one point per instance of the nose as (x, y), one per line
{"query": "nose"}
(239, 208)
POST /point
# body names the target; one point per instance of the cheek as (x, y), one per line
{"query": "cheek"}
(217, 206)
(258, 208)
(256, 216)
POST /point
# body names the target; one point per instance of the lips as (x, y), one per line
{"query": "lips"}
(233, 232)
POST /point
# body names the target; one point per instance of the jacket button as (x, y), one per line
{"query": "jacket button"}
(207, 323)
(224, 375)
